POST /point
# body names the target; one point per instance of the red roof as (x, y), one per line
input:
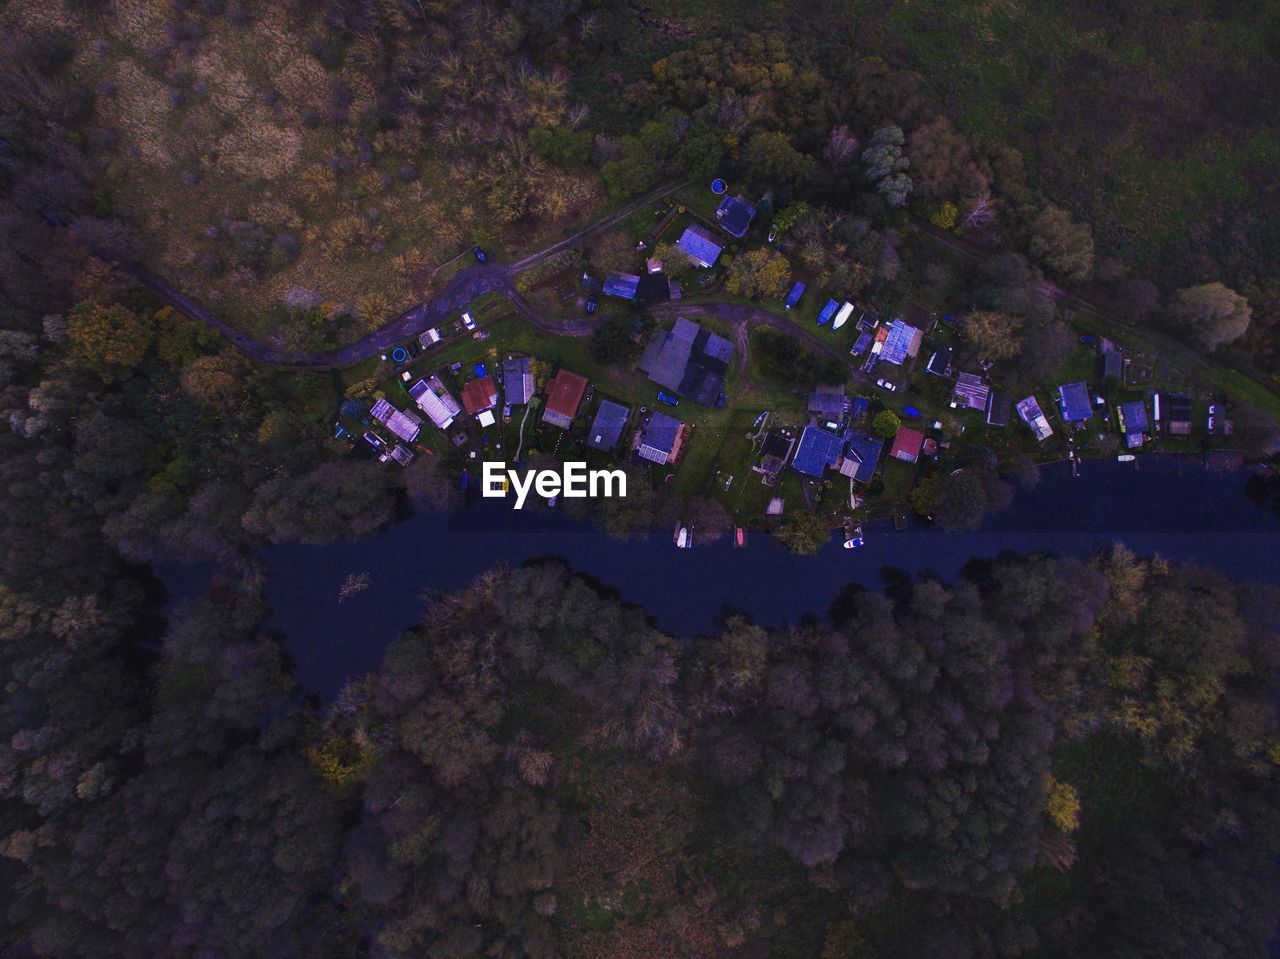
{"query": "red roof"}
(906, 445)
(479, 395)
(564, 393)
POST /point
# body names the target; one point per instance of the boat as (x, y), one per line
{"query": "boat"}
(759, 420)
(465, 479)
(828, 312)
(552, 501)
(842, 317)
(1126, 457)
(682, 538)
(740, 538)
(854, 539)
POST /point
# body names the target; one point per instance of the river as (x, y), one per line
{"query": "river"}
(1166, 507)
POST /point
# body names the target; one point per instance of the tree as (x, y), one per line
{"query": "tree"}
(562, 146)
(994, 335)
(1062, 244)
(112, 340)
(1213, 314)
(1062, 803)
(700, 154)
(803, 532)
(611, 341)
(886, 424)
(211, 380)
(840, 148)
(885, 165)
(759, 273)
(770, 158)
(942, 162)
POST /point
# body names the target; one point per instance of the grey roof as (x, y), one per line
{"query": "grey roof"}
(404, 425)
(517, 380)
(688, 360)
(999, 408)
(607, 426)
(735, 215)
(665, 359)
(827, 400)
(1113, 364)
(866, 450)
(940, 362)
(699, 244)
(1133, 416)
(971, 392)
(1073, 399)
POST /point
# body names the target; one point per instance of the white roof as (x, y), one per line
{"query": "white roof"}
(432, 405)
(404, 425)
(486, 418)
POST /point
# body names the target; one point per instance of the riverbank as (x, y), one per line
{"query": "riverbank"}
(1167, 507)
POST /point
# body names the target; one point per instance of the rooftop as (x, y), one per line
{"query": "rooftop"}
(998, 409)
(700, 245)
(622, 285)
(517, 379)
(1133, 417)
(436, 409)
(940, 362)
(660, 437)
(1073, 399)
(607, 426)
(688, 360)
(817, 451)
(735, 215)
(901, 342)
(907, 444)
(866, 450)
(1031, 414)
(970, 392)
(564, 395)
(403, 425)
(828, 399)
(479, 394)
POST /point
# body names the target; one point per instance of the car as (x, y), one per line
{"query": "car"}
(592, 301)
(468, 322)
(885, 385)
(480, 255)
(668, 399)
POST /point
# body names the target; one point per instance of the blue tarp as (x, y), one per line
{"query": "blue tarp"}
(793, 297)
(818, 450)
(828, 312)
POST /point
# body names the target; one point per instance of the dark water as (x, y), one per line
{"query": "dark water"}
(1168, 507)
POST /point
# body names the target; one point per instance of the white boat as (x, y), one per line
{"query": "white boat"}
(855, 538)
(1126, 457)
(842, 317)
(682, 538)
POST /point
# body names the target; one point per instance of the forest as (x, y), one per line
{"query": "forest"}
(1047, 757)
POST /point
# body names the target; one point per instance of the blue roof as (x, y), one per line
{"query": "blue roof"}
(621, 284)
(1133, 417)
(700, 244)
(735, 215)
(828, 311)
(866, 449)
(607, 427)
(793, 297)
(1073, 400)
(818, 449)
(662, 432)
(897, 345)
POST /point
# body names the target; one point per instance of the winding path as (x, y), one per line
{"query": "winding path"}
(462, 288)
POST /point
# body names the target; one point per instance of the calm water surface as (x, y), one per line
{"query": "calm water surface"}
(1168, 507)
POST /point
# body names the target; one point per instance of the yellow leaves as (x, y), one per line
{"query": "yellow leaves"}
(1128, 672)
(339, 761)
(318, 181)
(1062, 804)
(945, 216)
(111, 339)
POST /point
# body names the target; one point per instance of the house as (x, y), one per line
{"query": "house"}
(517, 380)
(998, 409)
(479, 395)
(403, 425)
(564, 395)
(940, 362)
(1133, 417)
(774, 453)
(735, 215)
(828, 401)
(621, 285)
(897, 342)
(1174, 410)
(907, 444)
(662, 440)
(864, 452)
(1073, 400)
(1030, 413)
(970, 392)
(607, 427)
(688, 360)
(441, 410)
(793, 297)
(654, 288)
(818, 450)
(700, 245)
(400, 454)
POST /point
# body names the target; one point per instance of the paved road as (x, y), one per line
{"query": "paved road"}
(462, 289)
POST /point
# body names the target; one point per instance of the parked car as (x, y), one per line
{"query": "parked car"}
(592, 301)
(468, 322)
(668, 399)
(885, 385)
(480, 254)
